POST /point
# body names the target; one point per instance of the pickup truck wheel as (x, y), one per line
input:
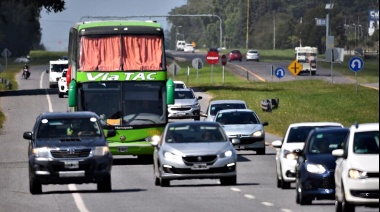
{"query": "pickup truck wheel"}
(35, 186)
(105, 185)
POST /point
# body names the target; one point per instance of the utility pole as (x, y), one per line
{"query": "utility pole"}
(247, 37)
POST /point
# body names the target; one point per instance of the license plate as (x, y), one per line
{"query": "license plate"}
(201, 166)
(122, 149)
(71, 164)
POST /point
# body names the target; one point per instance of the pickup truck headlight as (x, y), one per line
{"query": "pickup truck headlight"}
(101, 150)
(357, 174)
(42, 152)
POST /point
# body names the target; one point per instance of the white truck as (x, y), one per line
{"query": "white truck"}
(55, 71)
(180, 46)
(307, 57)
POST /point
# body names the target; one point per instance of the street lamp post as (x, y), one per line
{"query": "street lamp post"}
(328, 7)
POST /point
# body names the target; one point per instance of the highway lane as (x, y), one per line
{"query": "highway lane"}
(132, 181)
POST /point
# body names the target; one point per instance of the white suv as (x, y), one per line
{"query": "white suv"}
(185, 106)
(357, 169)
(286, 156)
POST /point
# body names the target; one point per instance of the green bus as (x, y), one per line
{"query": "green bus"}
(117, 69)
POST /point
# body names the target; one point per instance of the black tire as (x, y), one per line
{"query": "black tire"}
(197, 118)
(105, 185)
(338, 205)
(302, 200)
(260, 151)
(346, 206)
(35, 187)
(278, 182)
(164, 182)
(60, 95)
(228, 180)
(284, 184)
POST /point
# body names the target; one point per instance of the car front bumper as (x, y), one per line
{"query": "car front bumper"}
(362, 191)
(65, 171)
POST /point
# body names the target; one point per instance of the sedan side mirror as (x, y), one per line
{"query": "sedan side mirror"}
(235, 141)
(27, 135)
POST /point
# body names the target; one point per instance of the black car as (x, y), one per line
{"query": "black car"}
(68, 147)
(316, 165)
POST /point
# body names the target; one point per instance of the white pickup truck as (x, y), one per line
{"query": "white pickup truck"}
(55, 71)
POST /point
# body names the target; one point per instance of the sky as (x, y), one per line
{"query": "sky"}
(55, 26)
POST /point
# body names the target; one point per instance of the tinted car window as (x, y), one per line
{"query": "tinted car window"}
(184, 95)
(366, 143)
(299, 134)
(325, 143)
(188, 133)
(237, 118)
(215, 108)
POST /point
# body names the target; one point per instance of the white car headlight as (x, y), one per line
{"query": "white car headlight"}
(172, 157)
(101, 150)
(290, 155)
(257, 133)
(226, 154)
(315, 168)
(357, 174)
(41, 152)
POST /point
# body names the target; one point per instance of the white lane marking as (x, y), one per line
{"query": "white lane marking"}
(286, 210)
(248, 196)
(235, 189)
(47, 95)
(267, 203)
(77, 198)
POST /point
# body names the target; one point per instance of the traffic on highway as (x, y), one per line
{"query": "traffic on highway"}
(133, 181)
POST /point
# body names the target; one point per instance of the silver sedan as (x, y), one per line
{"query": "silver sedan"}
(194, 150)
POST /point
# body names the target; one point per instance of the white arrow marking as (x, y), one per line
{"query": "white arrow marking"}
(356, 61)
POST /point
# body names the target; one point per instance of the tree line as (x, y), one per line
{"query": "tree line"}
(261, 24)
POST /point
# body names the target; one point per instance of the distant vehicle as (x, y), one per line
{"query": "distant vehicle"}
(213, 50)
(235, 55)
(62, 84)
(245, 125)
(315, 165)
(185, 106)
(21, 60)
(180, 46)
(307, 57)
(194, 150)
(252, 54)
(216, 105)
(188, 48)
(179, 84)
(68, 147)
(294, 139)
(55, 70)
(357, 169)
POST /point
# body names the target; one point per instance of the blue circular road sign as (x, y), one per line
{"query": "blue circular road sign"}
(356, 64)
(279, 72)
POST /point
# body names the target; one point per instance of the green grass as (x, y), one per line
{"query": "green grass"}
(300, 100)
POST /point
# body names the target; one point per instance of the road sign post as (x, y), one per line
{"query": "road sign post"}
(212, 58)
(197, 64)
(356, 64)
(295, 68)
(224, 62)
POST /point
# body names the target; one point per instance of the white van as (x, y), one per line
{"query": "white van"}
(55, 71)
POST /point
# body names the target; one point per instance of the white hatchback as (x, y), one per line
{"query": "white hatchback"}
(286, 156)
(357, 169)
(188, 48)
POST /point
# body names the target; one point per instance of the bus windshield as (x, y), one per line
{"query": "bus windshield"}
(121, 52)
(125, 103)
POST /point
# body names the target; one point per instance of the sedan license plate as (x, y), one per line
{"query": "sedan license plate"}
(71, 164)
(122, 149)
(199, 166)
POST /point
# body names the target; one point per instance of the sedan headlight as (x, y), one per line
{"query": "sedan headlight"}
(315, 168)
(258, 133)
(172, 157)
(101, 150)
(226, 154)
(41, 152)
(357, 174)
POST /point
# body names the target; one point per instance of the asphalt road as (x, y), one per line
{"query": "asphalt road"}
(132, 181)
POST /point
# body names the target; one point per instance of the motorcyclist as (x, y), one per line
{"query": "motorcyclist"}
(26, 71)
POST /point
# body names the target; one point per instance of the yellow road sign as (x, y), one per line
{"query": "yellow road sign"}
(295, 68)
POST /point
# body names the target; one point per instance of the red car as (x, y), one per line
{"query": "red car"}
(235, 55)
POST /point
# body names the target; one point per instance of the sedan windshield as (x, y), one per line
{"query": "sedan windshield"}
(190, 133)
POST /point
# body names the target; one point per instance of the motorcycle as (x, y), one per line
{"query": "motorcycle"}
(25, 73)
